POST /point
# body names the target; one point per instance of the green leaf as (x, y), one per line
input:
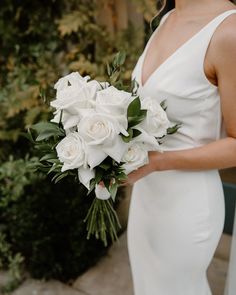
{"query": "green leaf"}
(163, 105)
(114, 77)
(105, 166)
(113, 190)
(133, 121)
(60, 120)
(48, 157)
(44, 135)
(128, 138)
(28, 136)
(47, 129)
(107, 183)
(119, 59)
(99, 175)
(109, 70)
(134, 108)
(92, 186)
(121, 56)
(173, 129)
(136, 132)
(119, 85)
(134, 87)
(59, 177)
(55, 167)
(143, 113)
(54, 161)
(121, 176)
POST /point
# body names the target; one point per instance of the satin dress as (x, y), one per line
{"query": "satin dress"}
(176, 217)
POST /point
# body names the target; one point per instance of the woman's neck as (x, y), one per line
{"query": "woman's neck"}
(186, 7)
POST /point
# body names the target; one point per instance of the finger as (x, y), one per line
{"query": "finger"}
(101, 183)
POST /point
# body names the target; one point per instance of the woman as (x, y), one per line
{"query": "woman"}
(177, 206)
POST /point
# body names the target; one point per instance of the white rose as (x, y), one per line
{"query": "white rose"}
(72, 79)
(114, 102)
(74, 101)
(75, 79)
(135, 157)
(75, 96)
(71, 151)
(101, 134)
(68, 120)
(156, 122)
(101, 192)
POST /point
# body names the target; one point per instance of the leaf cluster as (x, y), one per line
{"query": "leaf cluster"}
(135, 116)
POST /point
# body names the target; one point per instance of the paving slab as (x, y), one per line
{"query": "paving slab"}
(111, 275)
(4, 278)
(39, 287)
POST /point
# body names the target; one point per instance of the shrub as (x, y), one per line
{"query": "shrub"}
(41, 41)
(44, 222)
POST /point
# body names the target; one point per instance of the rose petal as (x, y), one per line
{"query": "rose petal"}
(148, 140)
(95, 156)
(101, 192)
(72, 121)
(117, 150)
(85, 175)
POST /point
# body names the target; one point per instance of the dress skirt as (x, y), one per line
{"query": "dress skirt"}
(175, 222)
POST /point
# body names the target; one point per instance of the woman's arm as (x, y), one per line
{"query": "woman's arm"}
(216, 155)
(221, 153)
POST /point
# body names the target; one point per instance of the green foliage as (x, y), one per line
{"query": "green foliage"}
(101, 219)
(41, 41)
(44, 224)
(14, 176)
(12, 261)
(135, 116)
(47, 130)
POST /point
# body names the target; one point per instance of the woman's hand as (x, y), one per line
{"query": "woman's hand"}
(153, 165)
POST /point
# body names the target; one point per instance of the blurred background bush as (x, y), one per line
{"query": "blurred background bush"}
(41, 224)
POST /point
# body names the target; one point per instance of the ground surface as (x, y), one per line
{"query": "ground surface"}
(112, 275)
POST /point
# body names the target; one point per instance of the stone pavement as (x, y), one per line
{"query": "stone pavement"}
(112, 275)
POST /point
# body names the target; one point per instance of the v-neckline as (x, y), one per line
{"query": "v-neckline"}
(175, 52)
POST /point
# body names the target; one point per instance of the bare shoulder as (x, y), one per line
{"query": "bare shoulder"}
(223, 43)
(225, 35)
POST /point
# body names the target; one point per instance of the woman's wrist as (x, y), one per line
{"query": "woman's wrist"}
(164, 161)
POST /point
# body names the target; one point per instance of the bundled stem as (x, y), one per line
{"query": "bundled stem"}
(101, 220)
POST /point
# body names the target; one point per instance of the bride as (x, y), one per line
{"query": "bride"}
(177, 207)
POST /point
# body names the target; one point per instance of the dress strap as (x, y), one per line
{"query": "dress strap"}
(213, 25)
(201, 43)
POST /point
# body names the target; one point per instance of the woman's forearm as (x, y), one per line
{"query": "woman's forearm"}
(219, 154)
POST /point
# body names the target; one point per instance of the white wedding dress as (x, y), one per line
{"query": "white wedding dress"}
(176, 217)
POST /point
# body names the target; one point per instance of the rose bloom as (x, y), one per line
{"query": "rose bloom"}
(156, 122)
(75, 97)
(71, 151)
(73, 79)
(102, 136)
(114, 102)
(135, 157)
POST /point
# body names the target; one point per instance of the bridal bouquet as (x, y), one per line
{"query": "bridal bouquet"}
(99, 134)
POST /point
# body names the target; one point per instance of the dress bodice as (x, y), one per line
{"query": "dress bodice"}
(191, 98)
